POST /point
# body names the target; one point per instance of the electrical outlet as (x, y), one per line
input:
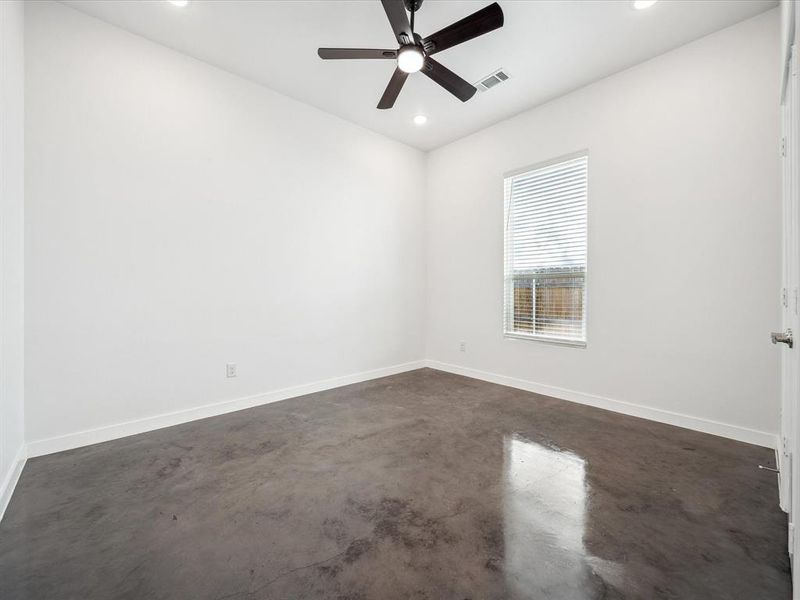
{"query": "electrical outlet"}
(462, 346)
(230, 370)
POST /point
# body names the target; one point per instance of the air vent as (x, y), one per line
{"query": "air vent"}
(492, 80)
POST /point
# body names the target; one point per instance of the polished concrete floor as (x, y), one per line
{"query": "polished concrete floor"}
(423, 485)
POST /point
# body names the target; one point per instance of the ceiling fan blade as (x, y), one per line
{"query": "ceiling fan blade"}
(463, 90)
(485, 20)
(393, 89)
(398, 19)
(343, 53)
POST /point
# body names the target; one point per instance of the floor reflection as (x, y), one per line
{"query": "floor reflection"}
(544, 520)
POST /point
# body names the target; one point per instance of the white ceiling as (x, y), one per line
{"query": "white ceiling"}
(549, 47)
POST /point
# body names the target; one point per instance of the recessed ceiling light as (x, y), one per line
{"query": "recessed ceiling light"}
(420, 120)
(642, 4)
(180, 3)
(410, 59)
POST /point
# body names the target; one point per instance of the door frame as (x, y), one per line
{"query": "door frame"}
(788, 444)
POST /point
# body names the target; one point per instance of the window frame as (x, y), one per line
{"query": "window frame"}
(508, 298)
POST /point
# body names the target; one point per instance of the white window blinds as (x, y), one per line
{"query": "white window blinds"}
(545, 251)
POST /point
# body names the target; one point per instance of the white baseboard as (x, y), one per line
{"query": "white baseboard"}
(111, 432)
(10, 480)
(735, 432)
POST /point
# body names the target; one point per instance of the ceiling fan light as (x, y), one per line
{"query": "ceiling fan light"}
(410, 59)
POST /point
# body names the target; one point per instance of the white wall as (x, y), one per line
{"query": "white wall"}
(11, 246)
(684, 236)
(179, 218)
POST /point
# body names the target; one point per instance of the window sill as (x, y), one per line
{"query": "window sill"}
(547, 340)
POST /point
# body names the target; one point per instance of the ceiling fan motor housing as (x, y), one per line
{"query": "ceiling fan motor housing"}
(412, 5)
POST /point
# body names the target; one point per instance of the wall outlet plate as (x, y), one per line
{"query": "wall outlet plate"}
(230, 370)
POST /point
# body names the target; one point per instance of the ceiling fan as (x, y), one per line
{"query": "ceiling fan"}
(415, 52)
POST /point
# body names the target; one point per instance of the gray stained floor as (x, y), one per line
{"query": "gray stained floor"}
(421, 485)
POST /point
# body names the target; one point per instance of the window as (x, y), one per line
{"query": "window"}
(545, 251)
